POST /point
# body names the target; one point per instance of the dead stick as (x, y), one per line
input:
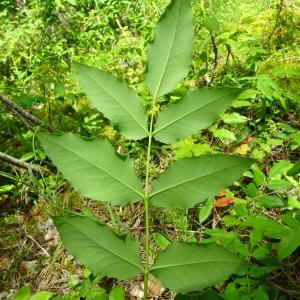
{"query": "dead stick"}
(17, 162)
(22, 112)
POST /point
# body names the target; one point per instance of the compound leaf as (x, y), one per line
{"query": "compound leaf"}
(170, 56)
(205, 265)
(196, 111)
(115, 100)
(192, 180)
(98, 247)
(93, 167)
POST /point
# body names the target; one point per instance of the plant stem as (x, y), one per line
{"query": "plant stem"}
(146, 203)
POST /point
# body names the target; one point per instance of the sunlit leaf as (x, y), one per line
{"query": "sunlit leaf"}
(117, 293)
(224, 134)
(295, 170)
(44, 295)
(279, 168)
(212, 24)
(23, 293)
(233, 118)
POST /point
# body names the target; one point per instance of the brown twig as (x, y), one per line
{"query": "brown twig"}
(15, 108)
(229, 52)
(215, 64)
(16, 162)
(280, 7)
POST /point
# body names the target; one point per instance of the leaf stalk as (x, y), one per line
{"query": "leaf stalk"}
(146, 204)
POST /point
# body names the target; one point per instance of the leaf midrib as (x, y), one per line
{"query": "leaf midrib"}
(168, 56)
(193, 263)
(116, 99)
(190, 180)
(101, 246)
(97, 167)
(190, 112)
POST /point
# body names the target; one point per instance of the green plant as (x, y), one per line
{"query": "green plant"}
(87, 289)
(98, 172)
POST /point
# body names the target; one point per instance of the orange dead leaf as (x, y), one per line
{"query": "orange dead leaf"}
(248, 139)
(223, 202)
(222, 193)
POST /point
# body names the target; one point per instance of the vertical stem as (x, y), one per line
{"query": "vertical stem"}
(146, 203)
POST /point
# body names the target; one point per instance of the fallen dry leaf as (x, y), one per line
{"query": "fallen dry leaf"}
(223, 202)
(155, 289)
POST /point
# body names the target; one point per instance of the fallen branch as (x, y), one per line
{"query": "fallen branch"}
(17, 162)
(23, 113)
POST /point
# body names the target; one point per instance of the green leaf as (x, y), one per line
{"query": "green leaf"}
(260, 294)
(42, 296)
(289, 218)
(161, 240)
(295, 170)
(252, 191)
(266, 85)
(115, 100)
(117, 293)
(98, 247)
(289, 243)
(269, 227)
(293, 202)
(185, 267)
(196, 111)
(205, 210)
(248, 94)
(72, 2)
(170, 56)
(93, 167)
(23, 293)
(233, 118)
(279, 184)
(212, 25)
(96, 294)
(191, 180)
(224, 134)
(270, 201)
(279, 168)
(256, 235)
(209, 295)
(6, 188)
(259, 176)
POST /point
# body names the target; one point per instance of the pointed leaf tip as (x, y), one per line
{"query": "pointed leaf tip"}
(170, 55)
(115, 100)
